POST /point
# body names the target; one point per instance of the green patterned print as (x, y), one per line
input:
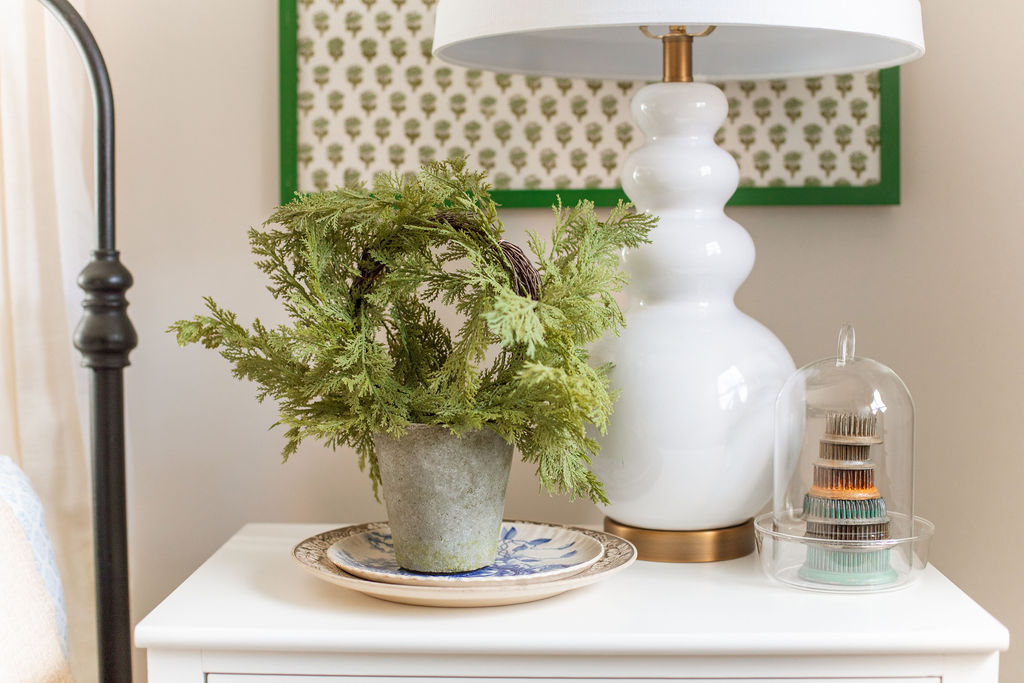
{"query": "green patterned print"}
(371, 98)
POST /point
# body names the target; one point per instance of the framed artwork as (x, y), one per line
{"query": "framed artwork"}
(361, 93)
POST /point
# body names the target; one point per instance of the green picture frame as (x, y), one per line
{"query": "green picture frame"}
(885, 192)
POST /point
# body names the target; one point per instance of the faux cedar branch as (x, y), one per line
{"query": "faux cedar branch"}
(360, 272)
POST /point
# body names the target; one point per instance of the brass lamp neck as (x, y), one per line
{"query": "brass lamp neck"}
(677, 52)
(677, 58)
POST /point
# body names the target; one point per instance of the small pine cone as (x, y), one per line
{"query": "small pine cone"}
(525, 278)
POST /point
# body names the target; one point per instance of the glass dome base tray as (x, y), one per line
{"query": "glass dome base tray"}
(843, 567)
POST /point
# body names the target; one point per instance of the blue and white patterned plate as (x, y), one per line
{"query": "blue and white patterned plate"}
(528, 552)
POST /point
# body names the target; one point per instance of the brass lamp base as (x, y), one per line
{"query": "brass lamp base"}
(706, 545)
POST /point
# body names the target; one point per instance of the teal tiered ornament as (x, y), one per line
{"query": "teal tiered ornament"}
(842, 517)
(844, 505)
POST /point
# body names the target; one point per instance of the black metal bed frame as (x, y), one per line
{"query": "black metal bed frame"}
(105, 337)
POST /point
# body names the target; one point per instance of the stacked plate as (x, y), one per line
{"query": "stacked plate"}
(534, 561)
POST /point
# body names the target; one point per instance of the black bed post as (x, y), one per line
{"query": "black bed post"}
(105, 336)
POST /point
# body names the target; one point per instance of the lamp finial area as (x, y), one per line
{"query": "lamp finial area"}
(677, 52)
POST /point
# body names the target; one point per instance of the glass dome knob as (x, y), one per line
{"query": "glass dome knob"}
(847, 342)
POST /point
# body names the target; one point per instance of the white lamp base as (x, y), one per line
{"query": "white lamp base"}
(690, 443)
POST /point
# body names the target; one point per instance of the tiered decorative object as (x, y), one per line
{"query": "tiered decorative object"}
(844, 505)
(843, 515)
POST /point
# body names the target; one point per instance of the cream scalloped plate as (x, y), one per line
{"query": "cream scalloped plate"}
(312, 555)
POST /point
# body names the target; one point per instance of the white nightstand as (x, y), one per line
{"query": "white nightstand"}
(249, 615)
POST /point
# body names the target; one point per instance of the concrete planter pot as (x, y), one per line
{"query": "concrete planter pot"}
(445, 496)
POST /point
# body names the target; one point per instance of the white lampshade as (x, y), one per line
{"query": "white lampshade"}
(755, 39)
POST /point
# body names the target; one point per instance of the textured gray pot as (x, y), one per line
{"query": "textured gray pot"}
(445, 496)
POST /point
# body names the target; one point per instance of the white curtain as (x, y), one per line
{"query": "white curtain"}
(47, 230)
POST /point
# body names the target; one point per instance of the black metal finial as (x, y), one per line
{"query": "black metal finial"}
(105, 335)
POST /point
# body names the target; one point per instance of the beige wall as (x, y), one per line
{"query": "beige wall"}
(934, 287)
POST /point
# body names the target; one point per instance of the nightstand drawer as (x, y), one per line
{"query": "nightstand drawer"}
(265, 678)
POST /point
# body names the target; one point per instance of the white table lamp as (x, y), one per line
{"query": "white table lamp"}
(687, 459)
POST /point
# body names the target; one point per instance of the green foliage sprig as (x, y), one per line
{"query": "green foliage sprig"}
(359, 273)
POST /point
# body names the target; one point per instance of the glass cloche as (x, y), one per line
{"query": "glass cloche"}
(843, 512)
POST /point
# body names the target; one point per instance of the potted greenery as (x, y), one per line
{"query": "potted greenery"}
(366, 361)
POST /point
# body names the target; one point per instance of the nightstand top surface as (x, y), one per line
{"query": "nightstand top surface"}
(251, 595)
